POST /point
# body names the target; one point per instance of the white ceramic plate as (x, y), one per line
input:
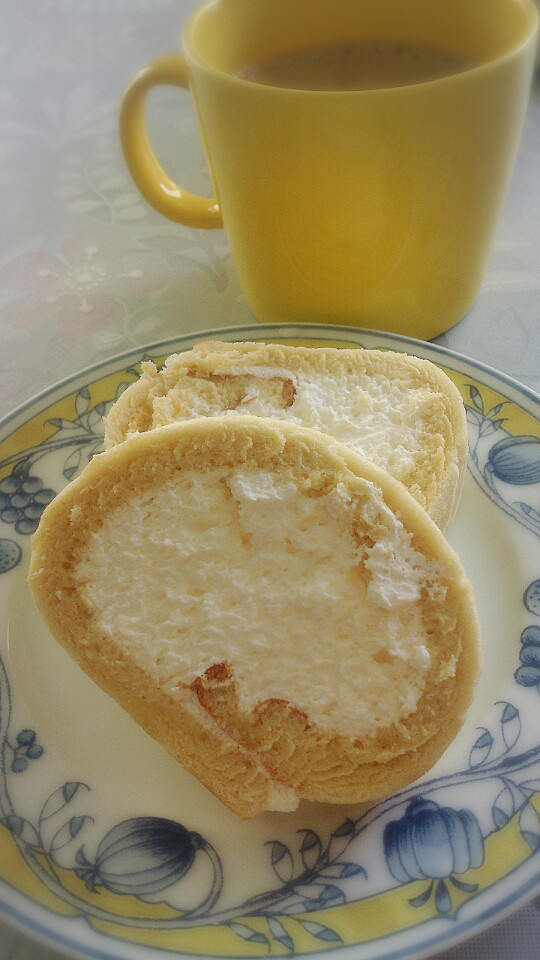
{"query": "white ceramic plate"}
(109, 850)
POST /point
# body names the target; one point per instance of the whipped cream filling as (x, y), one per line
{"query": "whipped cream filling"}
(371, 414)
(241, 567)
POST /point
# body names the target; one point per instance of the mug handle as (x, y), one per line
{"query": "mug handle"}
(150, 178)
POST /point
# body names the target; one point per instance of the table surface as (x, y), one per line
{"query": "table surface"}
(88, 270)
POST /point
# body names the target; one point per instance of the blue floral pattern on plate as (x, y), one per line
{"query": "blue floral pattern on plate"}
(430, 844)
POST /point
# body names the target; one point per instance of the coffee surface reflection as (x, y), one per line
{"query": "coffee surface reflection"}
(357, 65)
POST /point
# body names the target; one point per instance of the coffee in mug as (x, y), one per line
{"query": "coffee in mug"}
(359, 65)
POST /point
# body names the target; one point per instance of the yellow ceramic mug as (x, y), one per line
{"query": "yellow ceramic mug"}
(374, 207)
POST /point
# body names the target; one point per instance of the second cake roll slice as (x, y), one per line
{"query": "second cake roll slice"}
(401, 412)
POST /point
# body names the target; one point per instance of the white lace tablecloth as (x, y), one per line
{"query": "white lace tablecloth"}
(88, 270)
